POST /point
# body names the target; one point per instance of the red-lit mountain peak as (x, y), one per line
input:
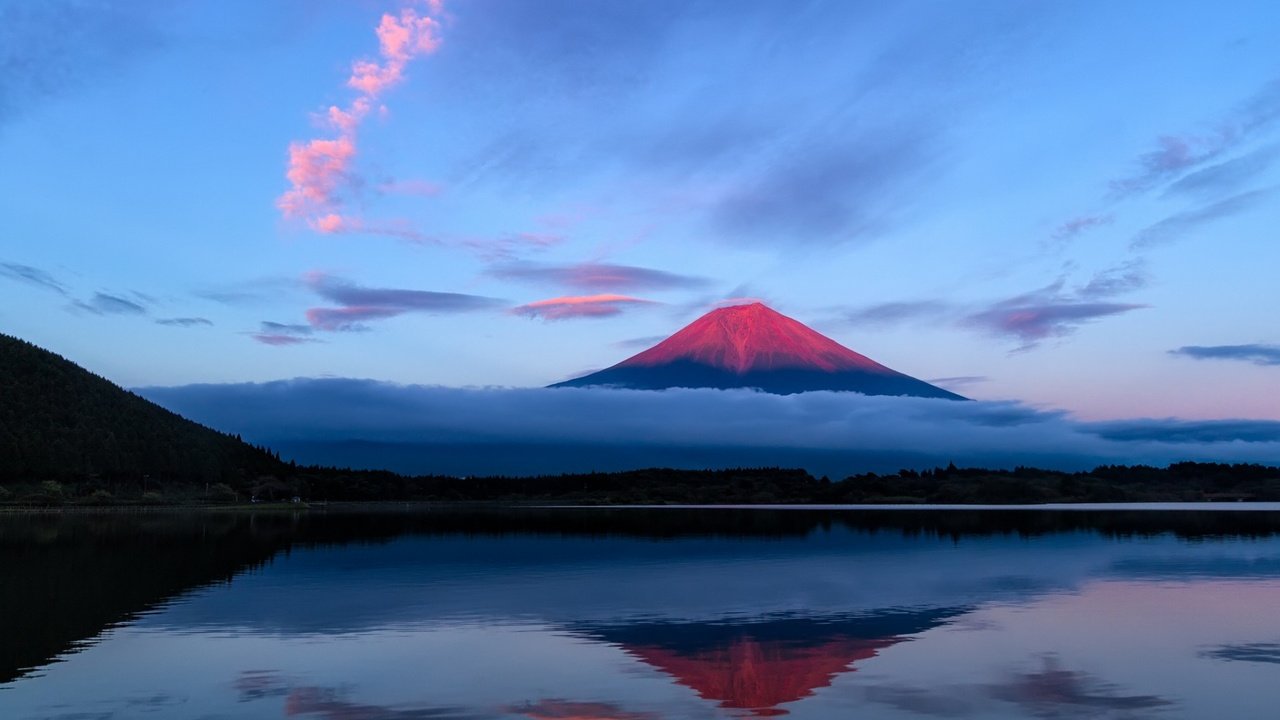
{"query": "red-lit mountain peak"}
(748, 338)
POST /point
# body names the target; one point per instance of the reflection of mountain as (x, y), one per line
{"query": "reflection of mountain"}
(761, 665)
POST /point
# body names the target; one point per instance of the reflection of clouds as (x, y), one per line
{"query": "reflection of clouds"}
(569, 710)
(1051, 692)
(327, 703)
(1245, 652)
(259, 684)
(1055, 692)
(950, 702)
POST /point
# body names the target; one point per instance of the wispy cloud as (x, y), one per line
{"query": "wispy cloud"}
(894, 313)
(830, 192)
(1046, 313)
(1078, 225)
(282, 334)
(106, 304)
(1256, 354)
(1177, 154)
(320, 171)
(960, 381)
(579, 306)
(52, 47)
(184, 321)
(32, 276)
(1176, 226)
(599, 277)
(1226, 176)
(1124, 278)
(357, 304)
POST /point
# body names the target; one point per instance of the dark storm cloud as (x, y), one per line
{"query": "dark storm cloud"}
(424, 429)
(32, 275)
(184, 321)
(1256, 354)
(50, 47)
(107, 304)
(598, 277)
(1175, 227)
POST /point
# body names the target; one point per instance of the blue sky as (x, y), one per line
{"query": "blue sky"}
(1037, 202)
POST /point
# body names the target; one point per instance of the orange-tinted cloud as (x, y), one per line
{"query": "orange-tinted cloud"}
(579, 306)
(320, 170)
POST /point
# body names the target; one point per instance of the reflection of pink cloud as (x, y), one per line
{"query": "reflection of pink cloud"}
(319, 169)
(579, 306)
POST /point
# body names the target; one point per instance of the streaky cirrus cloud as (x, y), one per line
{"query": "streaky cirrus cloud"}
(357, 304)
(32, 276)
(1031, 319)
(320, 170)
(108, 304)
(1078, 225)
(579, 306)
(184, 321)
(1178, 225)
(1176, 154)
(507, 247)
(600, 277)
(425, 429)
(1253, 353)
(1051, 311)
(830, 192)
(893, 313)
(1227, 176)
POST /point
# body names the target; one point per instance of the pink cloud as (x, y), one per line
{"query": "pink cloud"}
(579, 306)
(348, 318)
(319, 170)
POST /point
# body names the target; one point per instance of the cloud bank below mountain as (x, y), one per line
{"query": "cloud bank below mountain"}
(476, 431)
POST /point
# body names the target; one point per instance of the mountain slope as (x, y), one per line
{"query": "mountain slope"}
(58, 421)
(753, 346)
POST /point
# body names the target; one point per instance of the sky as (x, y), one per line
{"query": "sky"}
(1066, 206)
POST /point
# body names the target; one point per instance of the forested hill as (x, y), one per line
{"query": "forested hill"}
(59, 422)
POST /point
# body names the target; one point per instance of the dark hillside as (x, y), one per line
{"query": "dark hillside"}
(60, 422)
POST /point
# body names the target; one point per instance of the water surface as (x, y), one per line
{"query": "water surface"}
(641, 614)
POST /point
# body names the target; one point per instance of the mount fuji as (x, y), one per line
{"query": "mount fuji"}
(754, 346)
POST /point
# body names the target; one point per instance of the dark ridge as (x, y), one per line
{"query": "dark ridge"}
(60, 422)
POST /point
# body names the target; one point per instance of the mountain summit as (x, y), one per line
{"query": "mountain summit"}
(753, 346)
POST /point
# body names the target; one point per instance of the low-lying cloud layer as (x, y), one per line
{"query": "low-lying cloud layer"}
(421, 429)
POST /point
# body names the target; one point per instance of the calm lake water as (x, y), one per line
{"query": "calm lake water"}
(640, 615)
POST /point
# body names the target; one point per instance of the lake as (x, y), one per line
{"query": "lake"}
(640, 614)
